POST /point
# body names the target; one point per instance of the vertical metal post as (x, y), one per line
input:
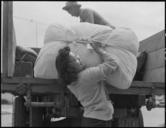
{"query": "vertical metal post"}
(2, 37)
(8, 42)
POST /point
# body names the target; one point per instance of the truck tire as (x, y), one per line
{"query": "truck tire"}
(19, 112)
(130, 121)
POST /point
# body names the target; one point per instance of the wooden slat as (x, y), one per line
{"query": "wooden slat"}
(155, 75)
(43, 82)
(153, 43)
(140, 88)
(41, 86)
(41, 104)
(53, 86)
(57, 90)
(137, 91)
(35, 81)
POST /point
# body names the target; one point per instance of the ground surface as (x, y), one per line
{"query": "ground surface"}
(154, 118)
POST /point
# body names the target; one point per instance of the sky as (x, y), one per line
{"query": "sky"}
(32, 18)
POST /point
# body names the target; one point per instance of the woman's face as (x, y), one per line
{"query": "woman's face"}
(74, 61)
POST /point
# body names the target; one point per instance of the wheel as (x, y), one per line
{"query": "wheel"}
(129, 121)
(19, 112)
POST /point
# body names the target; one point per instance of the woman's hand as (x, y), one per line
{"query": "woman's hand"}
(96, 46)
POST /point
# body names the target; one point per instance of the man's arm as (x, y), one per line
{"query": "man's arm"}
(87, 16)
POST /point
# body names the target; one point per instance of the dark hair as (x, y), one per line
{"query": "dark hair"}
(66, 72)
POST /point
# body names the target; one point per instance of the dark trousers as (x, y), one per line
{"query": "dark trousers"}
(89, 122)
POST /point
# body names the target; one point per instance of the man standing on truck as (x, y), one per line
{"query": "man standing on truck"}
(86, 15)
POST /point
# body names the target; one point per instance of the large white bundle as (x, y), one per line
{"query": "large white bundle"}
(57, 32)
(120, 37)
(87, 30)
(45, 62)
(122, 44)
(127, 63)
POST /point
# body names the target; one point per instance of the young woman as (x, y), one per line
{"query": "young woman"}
(87, 85)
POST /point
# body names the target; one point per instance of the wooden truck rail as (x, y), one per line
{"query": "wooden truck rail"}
(52, 86)
(44, 86)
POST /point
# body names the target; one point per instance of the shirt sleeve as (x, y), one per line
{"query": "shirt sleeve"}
(110, 62)
(87, 16)
(100, 72)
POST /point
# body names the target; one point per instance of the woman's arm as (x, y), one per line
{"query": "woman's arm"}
(101, 71)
